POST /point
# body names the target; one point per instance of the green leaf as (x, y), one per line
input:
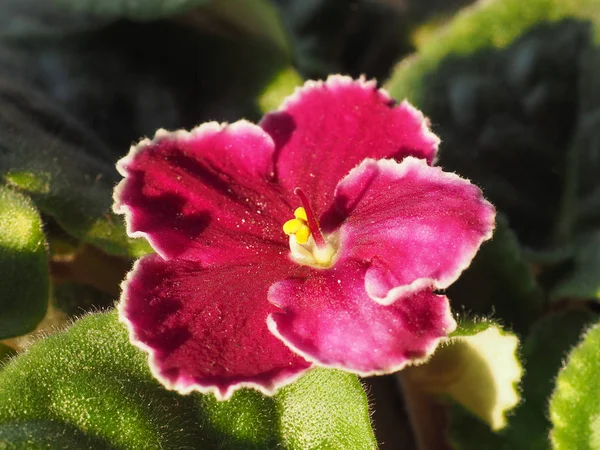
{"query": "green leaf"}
(68, 175)
(491, 24)
(140, 10)
(478, 368)
(575, 404)
(24, 284)
(98, 385)
(257, 19)
(467, 326)
(543, 353)
(499, 283)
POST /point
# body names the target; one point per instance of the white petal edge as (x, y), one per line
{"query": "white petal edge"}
(184, 385)
(207, 128)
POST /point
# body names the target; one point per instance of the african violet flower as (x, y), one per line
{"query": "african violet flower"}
(317, 237)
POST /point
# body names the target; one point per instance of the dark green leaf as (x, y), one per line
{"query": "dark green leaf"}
(491, 24)
(24, 284)
(99, 387)
(140, 10)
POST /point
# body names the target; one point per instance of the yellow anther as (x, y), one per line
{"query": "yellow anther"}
(292, 226)
(298, 226)
(300, 213)
(302, 234)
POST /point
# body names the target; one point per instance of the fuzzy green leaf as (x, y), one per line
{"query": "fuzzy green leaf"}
(543, 352)
(24, 283)
(98, 386)
(575, 403)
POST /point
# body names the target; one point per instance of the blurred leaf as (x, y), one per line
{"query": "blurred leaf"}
(353, 37)
(543, 352)
(583, 280)
(24, 284)
(280, 87)
(258, 19)
(499, 283)
(479, 370)
(99, 387)
(489, 24)
(45, 153)
(49, 20)
(138, 10)
(575, 403)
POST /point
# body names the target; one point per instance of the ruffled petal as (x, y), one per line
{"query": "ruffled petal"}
(205, 329)
(330, 319)
(204, 195)
(416, 225)
(327, 128)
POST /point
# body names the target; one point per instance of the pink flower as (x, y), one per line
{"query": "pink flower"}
(231, 301)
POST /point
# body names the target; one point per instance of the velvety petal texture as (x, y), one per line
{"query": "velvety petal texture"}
(329, 319)
(417, 225)
(226, 303)
(197, 195)
(328, 127)
(206, 328)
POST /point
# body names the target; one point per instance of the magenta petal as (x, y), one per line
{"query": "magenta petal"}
(330, 320)
(416, 225)
(204, 195)
(205, 329)
(327, 128)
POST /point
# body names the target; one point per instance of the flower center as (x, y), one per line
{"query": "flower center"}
(308, 246)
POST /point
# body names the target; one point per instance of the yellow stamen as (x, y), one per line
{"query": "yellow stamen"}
(305, 249)
(293, 226)
(302, 234)
(300, 213)
(298, 226)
